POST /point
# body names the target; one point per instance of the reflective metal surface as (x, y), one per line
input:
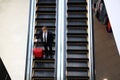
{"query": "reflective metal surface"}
(29, 57)
(91, 41)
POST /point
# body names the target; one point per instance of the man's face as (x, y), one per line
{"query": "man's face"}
(44, 30)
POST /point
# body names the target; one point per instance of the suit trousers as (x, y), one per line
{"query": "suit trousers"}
(48, 49)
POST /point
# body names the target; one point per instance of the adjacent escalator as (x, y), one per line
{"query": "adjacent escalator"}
(77, 67)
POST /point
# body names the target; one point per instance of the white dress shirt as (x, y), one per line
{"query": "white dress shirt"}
(44, 34)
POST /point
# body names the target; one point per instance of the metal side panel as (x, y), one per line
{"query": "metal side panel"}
(61, 40)
(91, 41)
(30, 42)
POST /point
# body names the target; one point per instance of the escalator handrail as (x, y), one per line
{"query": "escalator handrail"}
(61, 39)
(30, 40)
(58, 60)
(91, 41)
(56, 44)
(65, 40)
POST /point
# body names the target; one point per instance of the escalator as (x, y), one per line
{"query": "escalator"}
(77, 62)
(44, 69)
(71, 23)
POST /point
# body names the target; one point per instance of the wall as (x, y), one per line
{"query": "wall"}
(112, 7)
(13, 36)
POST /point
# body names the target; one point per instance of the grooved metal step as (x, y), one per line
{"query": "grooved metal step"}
(43, 73)
(77, 64)
(76, 1)
(78, 73)
(46, 23)
(77, 9)
(46, 9)
(77, 23)
(77, 15)
(43, 64)
(77, 56)
(45, 16)
(79, 38)
(77, 46)
(48, 2)
(78, 30)
(42, 78)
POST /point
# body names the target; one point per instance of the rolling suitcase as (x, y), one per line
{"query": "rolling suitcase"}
(38, 52)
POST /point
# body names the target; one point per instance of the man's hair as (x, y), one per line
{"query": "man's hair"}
(44, 27)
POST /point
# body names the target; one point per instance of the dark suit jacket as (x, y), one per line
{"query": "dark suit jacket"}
(50, 37)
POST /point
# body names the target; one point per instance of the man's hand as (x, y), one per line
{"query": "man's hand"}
(35, 40)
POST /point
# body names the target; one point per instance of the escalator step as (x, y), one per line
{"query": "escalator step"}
(77, 46)
(86, 50)
(40, 65)
(46, 24)
(77, 73)
(77, 23)
(77, 16)
(80, 69)
(50, 29)
(80, 25)
(46, 9)
(46, 2)
(78, 8)
(76, 39)
(77, 78)
(78, 64)
(77, 33)
(85, 34)
(43, 73)
(45, 21)
(43, 60)
(76, 1)
(45, 16)
(77, 56)
(77, 30)
(76, 52)
(40, 78)
(74, 31)
(76, 59)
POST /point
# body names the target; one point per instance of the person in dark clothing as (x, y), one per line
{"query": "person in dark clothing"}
(47, 40)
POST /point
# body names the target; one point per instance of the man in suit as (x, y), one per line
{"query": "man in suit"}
(47, 40)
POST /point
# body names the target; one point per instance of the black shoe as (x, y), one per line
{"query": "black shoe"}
(46, 57)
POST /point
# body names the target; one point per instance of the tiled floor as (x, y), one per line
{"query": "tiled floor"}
(107, 59)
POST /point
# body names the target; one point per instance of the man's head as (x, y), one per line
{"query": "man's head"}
(44, 29)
